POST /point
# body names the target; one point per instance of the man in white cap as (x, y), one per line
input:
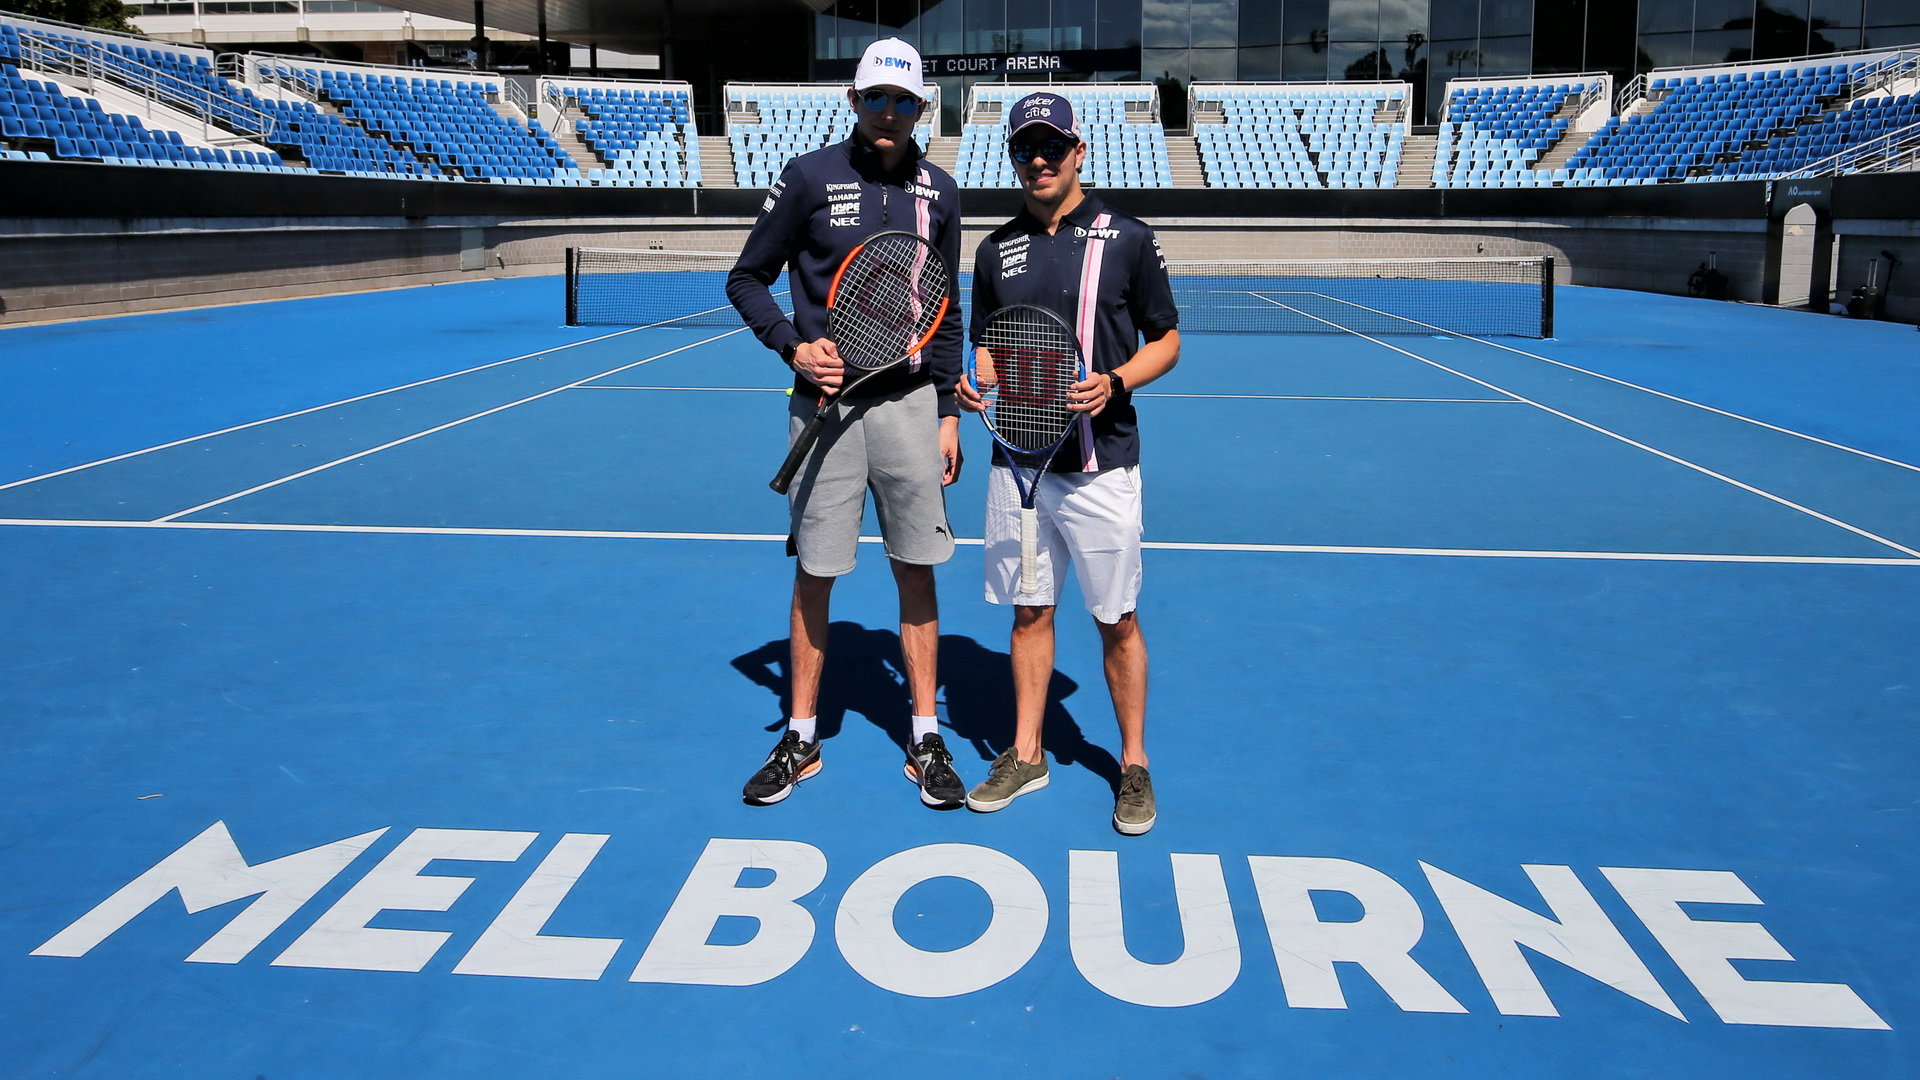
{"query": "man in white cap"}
(898, 438)
(1102, 271)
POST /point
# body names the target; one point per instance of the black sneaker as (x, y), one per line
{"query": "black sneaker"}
(791, 762)
(931, 767)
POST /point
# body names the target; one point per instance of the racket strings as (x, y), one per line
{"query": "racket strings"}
(886, 301)
(1033, 364)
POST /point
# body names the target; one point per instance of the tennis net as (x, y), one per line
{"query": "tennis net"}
(1482, 297)
(1489, 297)
(644, 287)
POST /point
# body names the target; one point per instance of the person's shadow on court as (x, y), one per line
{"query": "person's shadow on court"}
(864, 677)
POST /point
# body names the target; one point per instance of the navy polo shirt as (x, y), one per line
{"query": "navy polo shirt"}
(1020, 263)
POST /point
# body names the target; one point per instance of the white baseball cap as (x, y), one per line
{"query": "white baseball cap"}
(890, 62)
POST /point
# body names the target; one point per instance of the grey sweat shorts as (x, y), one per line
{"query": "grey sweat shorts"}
(888, 445)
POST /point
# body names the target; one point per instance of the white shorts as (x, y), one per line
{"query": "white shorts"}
(1089, 520)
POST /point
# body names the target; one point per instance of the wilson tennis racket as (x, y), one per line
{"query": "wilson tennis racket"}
(1026, 362)
(885, 302)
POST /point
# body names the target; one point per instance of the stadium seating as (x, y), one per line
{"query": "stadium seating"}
(66, 94)
(40, 114)
(447, 122)
(1698, 121)
(1494, 136)
(645, 136)
(769, 126)
(1128, 150)
(46, 118)
(1860, 123)
(1301, 136)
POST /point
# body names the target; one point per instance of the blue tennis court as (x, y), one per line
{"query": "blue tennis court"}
(383, 670)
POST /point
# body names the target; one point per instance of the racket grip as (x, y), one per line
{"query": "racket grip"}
(809, 435)
(1029, 552)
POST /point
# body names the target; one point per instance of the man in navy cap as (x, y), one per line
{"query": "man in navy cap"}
(897, 437)
(1103, 272)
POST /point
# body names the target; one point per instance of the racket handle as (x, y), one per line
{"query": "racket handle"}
(809, 435)
(1029, 552)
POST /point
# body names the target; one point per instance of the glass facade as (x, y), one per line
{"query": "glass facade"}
(1423, 42)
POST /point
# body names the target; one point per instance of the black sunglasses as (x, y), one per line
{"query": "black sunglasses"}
(1053, 149)
(877, 100)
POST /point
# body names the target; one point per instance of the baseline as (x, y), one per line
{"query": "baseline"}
(1155, 545)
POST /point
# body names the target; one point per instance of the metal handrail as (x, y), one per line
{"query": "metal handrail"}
(267, 69)
(516, 96)
(92, 65)
(1862, 157)
(1635, 89)
(553, 94)
(1888, 70)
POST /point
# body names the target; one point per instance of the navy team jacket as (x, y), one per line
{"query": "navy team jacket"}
(823, 206)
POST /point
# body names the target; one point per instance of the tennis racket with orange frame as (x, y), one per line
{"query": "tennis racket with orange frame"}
(883, 307)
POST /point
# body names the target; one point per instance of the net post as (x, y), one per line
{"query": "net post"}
(1546, 298)
(573, 286)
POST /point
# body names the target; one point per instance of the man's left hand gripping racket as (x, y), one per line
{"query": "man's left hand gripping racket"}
(1026, 364)
(886, 301)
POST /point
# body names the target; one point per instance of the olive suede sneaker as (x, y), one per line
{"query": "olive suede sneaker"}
(1008, 778)
(1133, 809)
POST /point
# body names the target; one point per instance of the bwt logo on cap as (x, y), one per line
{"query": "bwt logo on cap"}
(891, 62)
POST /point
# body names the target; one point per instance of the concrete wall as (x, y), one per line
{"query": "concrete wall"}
(83, 240)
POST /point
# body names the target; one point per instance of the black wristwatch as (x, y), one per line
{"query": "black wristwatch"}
(791, 349)
(1119, 385)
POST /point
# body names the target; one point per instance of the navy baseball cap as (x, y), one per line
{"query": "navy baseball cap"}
(1046, 108)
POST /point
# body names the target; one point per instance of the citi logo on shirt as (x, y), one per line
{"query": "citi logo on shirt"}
(1097, 234)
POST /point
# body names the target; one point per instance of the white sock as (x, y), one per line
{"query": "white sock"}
(802, 726)
(924, 726)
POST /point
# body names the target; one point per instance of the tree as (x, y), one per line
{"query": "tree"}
(99, 14)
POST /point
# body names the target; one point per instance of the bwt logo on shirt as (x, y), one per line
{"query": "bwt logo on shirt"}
(1097, 234)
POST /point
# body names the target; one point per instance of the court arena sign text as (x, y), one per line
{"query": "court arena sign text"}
(765, 881)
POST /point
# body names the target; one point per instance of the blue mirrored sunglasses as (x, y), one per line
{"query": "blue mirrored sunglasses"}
(903, 104)
(1052, 149)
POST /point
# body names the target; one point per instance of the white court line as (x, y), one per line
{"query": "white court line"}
(1643, 389)
(256, 489)
(780, 538)
(1143, 394)
(693, 389)
(1335, 397)
(314, 409)
(1591, 426)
